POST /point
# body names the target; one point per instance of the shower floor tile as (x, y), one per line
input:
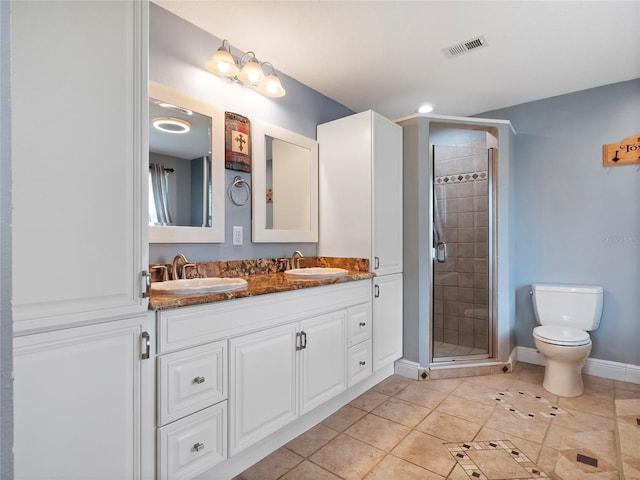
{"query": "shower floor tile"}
(442, 349)
(421, 430)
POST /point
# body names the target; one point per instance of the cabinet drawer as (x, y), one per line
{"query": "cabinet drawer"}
(359, 319)
(194, 444)
(191, 380)
(359, 362)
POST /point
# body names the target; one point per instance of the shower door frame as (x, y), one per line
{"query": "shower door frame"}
(492, 287)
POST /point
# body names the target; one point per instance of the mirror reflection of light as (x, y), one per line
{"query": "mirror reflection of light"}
(173, 107)
(171, 125)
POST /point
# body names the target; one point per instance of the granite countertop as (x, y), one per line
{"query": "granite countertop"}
(263, 276)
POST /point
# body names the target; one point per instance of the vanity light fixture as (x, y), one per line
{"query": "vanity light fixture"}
(171, 125)
(246, 69)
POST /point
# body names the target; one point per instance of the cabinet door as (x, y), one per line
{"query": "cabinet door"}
(323, 367)
(387, 320)
(79, 160)
(262, 384)
(84, 402)
(387, 197)
(345, 187)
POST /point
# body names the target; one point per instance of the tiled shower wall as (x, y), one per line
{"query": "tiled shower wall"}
(461, 282)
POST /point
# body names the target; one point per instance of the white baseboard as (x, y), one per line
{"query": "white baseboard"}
(408, 369)
(600, 368)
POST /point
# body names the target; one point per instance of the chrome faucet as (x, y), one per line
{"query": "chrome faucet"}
(295, 259)
(181, 260)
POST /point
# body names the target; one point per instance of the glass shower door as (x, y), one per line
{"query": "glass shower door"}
(461, 296)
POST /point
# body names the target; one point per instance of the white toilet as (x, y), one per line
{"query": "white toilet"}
(565, 314)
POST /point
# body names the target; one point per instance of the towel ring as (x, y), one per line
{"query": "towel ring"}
(239, 182)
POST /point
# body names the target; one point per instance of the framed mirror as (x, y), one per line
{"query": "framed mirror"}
(285, 185)
(186, 168)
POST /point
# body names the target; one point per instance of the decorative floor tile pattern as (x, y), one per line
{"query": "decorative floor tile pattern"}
(403, 429)
(527, 405)
(628, 430)
(493, 460)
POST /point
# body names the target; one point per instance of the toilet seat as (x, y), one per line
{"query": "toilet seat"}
(566, 336)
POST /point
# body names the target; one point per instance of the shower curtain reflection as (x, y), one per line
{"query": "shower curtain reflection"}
(159, 195)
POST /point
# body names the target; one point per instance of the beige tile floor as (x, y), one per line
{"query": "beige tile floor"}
(480, 428)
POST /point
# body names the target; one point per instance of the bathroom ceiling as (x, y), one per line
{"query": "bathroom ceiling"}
(388, 55)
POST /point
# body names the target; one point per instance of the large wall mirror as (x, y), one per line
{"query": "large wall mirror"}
(186, 168)
(285, 185)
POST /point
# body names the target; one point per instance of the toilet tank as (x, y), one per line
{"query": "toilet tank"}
(578, 306)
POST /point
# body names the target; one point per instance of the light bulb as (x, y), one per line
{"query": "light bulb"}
(253, 76)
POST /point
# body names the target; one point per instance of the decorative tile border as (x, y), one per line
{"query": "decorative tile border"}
(547, 409)
(461, 177)
(459, 452)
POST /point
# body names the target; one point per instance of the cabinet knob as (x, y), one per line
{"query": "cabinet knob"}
(198, 380)
(362, 363)
(362, 324)
(198, 446)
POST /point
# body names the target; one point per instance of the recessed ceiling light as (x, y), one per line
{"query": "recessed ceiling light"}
(171, 125)
(426, 108)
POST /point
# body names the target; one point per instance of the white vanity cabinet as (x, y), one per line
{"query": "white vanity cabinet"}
(84, 402)
(288, 354)
(360, 165)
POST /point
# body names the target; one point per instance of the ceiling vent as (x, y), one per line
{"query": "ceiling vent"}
(464, 47)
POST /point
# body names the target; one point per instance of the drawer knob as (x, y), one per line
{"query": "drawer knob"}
(362, 324)
(198, 446)
(198, 380)
(362, 363)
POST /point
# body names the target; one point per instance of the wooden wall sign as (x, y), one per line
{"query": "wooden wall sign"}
(623, 152)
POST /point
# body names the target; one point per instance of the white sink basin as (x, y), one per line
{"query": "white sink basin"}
(316, 272)
(199, 285)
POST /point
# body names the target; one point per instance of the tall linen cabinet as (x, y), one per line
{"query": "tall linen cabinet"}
(360, 214)
(83, 338)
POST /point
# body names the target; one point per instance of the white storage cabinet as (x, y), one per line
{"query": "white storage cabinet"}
(84, 402)
(84, 387)
(360, 163)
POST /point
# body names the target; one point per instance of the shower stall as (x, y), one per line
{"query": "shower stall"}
(463, 183)
(459, 289)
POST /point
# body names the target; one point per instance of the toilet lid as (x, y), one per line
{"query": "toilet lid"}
(561, 335)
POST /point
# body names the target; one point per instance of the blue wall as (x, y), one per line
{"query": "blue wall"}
(178, 51)
(578, 222)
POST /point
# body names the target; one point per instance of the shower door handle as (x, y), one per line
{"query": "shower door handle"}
(441, 252)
